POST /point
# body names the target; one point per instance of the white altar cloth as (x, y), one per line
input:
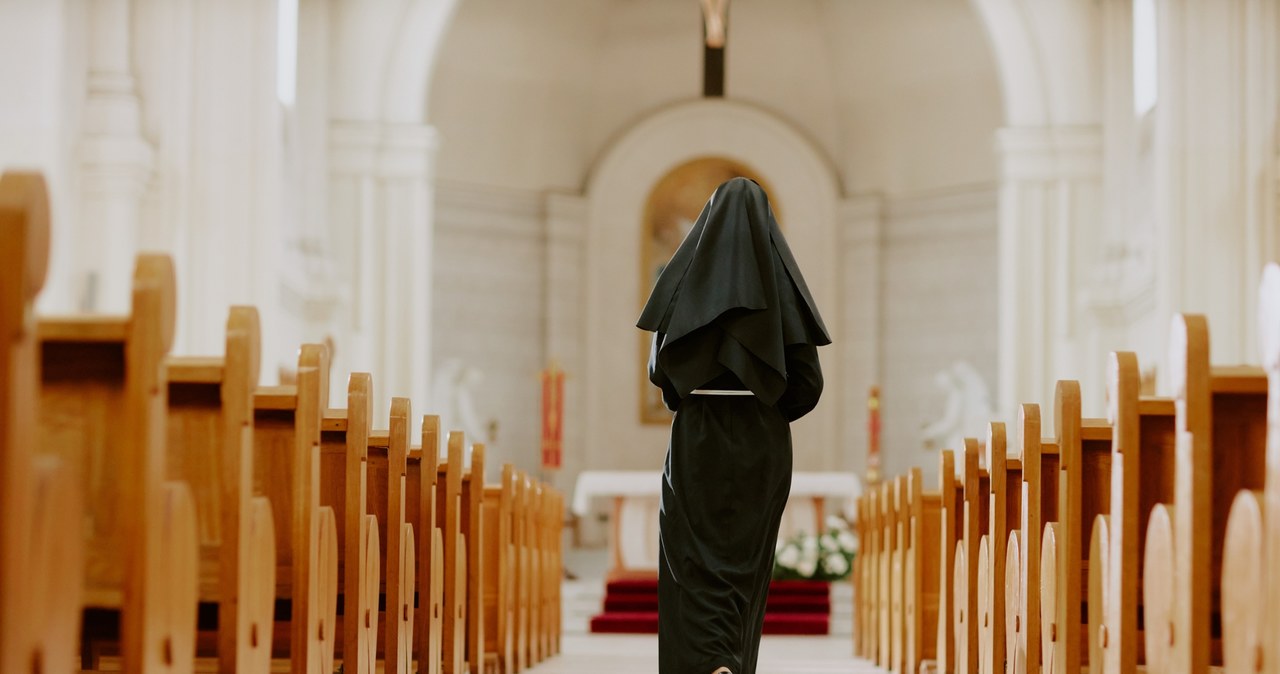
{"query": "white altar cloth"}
(594, 484)
(634, 497)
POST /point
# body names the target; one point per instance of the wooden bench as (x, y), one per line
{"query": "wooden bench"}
(473, 531)
(210, 447)
(449, 513)
(921, 573)
(869, 551)
(1250, 582)
(951, 491)
(389, 502)
(526, 569)
(1039, 458)
(102, 408)
(858, 577)
(421, 479)
(977, 515)
(499, 573)
(1004, 518)
(1084, 494)
(884, 573)
(287, 470)
(1220, 451)
(888, 550)
(40, 564)
(555, 571)
(1142, 460)
(344, 462)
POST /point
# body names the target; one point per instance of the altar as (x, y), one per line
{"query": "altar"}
(633, 498)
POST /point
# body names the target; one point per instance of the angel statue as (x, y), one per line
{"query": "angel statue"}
(453, 391)
(967, 410)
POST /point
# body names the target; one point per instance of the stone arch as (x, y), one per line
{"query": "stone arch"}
(802, 178)
(1047, 54)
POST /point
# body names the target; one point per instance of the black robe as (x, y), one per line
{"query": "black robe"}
(730, 311)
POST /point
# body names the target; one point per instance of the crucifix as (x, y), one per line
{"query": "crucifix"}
(715, 25)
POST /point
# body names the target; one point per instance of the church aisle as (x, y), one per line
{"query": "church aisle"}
(591, 654)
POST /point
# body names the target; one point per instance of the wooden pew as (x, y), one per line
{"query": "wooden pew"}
(473, 530)
(210, 447)
(858, 577)
(1142, 475)
(1250, 581)
(921, 573)
(1005, 512)
(887, 560)
(40, 565)
(389, 502)
(556, 573)
(897, 573)
(344, 461)
(449, 514)
(499, 573)
(102, 407)
(951, 491)
(421, 480)
(1220, 451)
(1084, 494)
(869, 548)
(287, 470)
(533, 494)
(520, 524)
(977, 494)
(1023, 563)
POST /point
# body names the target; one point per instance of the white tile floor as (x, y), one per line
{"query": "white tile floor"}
(600, 654)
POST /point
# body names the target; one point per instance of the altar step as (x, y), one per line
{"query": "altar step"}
(794, 608)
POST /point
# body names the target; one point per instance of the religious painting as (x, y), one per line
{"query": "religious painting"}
(670, 212)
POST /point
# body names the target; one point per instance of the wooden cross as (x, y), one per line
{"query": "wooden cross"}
(715, 25)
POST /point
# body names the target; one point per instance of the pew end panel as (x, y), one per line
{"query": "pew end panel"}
(286, 471)
(1142, 477)
(102, 408)
(40, 612)
(922, 573)
(210, 447)
(1220, 411)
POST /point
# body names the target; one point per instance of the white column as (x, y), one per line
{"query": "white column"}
(351, 247)
(565, 334)
(115, 164)
(381, 211)
(862, 233)
(1215, 163)
(1050, 199)
(407, 196)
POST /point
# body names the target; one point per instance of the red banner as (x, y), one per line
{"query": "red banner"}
(552, 417)
(873, 436)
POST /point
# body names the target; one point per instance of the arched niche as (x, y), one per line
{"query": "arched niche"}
(801, 179)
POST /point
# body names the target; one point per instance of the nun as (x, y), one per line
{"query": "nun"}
(734, 351)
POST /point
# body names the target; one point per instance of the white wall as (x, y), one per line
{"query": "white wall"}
(40, 117)
(938, 298)
(902, 96)
(489, 282)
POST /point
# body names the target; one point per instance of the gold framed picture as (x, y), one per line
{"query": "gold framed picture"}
(670, 212)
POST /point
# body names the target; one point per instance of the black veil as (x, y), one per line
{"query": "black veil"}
(732, 298)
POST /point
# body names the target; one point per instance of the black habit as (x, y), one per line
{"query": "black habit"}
(730, 311)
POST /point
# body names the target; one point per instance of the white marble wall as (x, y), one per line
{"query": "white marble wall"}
(488, 287)
(937, 305)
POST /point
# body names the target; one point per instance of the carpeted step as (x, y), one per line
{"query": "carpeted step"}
(625, 603)
(777, 587)
(646, 622)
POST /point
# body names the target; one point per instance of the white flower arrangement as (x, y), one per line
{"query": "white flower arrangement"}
(828, 556)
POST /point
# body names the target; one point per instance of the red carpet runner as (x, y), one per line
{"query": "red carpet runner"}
(795, 607)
